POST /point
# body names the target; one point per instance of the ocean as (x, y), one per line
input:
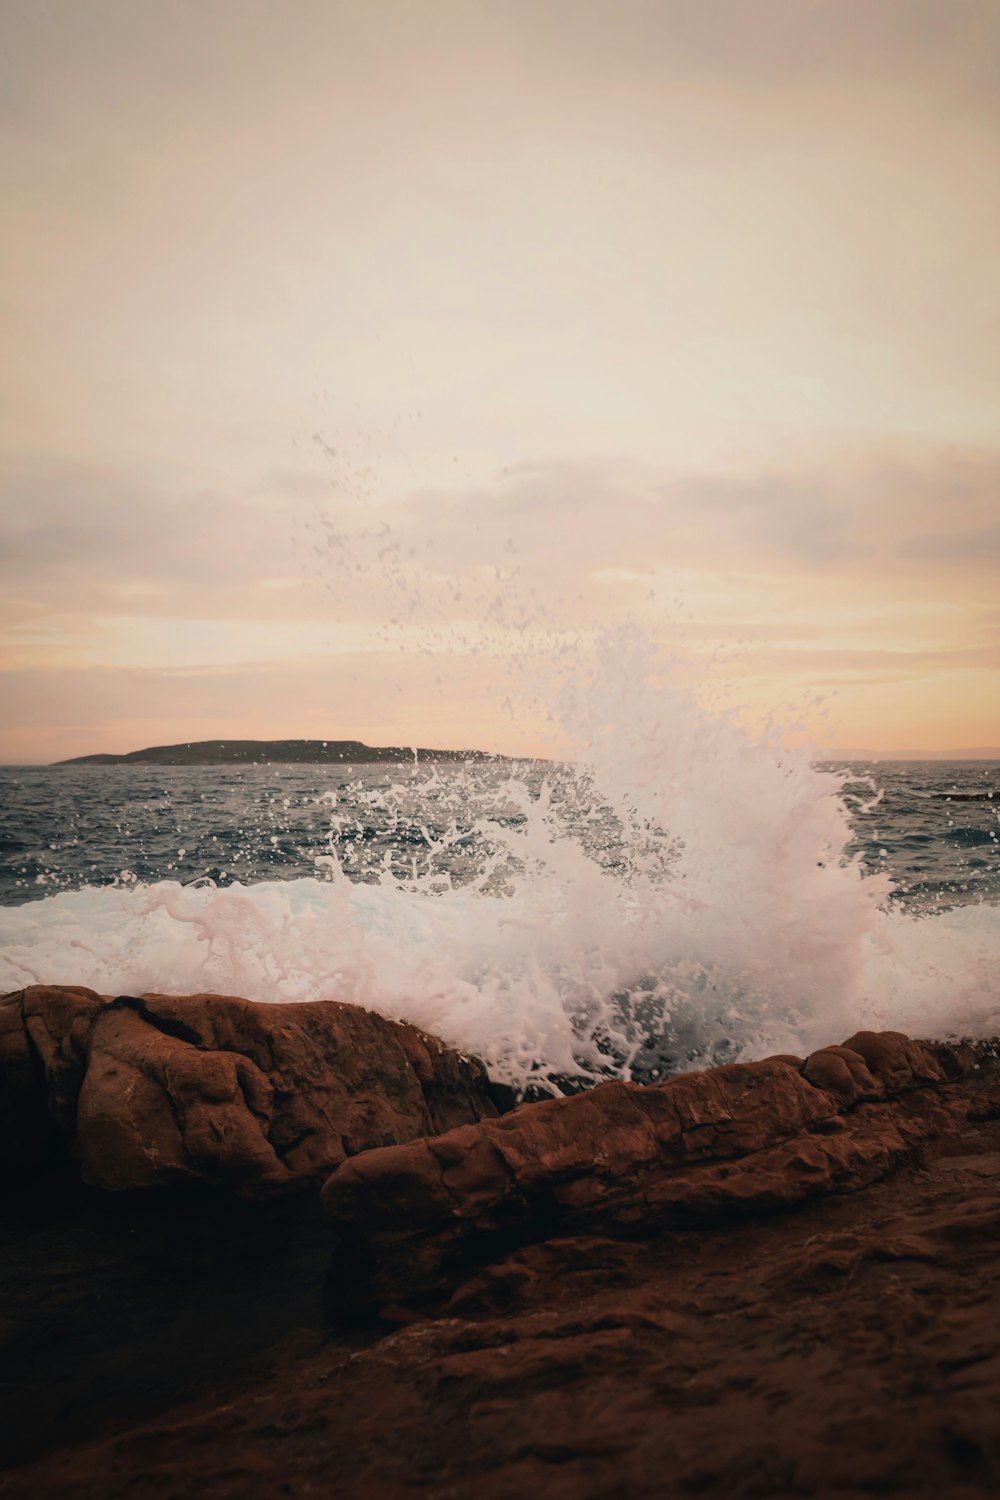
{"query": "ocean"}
(627, 918)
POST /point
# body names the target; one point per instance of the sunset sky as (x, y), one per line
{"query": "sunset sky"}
(355, 352)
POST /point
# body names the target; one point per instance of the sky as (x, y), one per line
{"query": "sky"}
(357, 354)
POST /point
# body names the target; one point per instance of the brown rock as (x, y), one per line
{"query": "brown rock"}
(161, 1089)
(843, 1072)
(629, 1161)
(850, 1347)
(897, 1062)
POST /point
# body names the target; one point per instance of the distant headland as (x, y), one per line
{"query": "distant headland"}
(356, 752)
(274, 752)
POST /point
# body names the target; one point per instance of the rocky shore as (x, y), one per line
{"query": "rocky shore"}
(259, 1250)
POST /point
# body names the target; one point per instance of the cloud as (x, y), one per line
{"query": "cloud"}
(561, 538)
(974, 547)
(83, 535)
(860, 513)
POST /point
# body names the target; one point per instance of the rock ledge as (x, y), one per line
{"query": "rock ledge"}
(633, 1161)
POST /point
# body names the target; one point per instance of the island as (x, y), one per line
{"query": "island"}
(275, 752)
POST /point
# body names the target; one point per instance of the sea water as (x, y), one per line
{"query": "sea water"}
(680, 892)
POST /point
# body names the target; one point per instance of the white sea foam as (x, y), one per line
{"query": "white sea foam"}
(732, 925)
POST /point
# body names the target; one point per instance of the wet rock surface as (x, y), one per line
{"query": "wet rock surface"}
(632, 1161)
(156, 1090)
(630, 1293)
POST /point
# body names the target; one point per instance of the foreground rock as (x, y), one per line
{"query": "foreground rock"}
(698, 1288)
(208, 1089)
(632, 1161)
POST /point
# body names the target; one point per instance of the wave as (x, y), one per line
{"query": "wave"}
(731, 922)
(538, 985)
